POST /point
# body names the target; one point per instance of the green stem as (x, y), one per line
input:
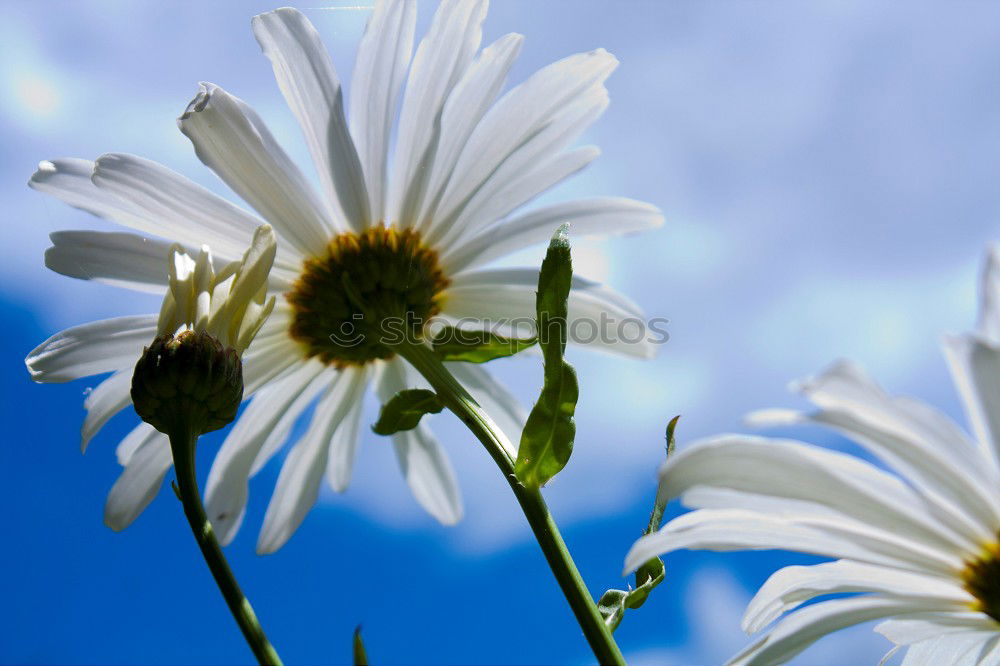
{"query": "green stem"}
(458, 400)
(183, 447)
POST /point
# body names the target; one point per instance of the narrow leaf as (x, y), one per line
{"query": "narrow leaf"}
(472, 346)
(405, 409)
(360, 656)
(660, 504)
(547, 439)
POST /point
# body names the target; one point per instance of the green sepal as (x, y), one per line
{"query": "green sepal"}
(360, 656)
(547, 438)
(647, 577)
(473, 346)
(612, 607)
(405, 409)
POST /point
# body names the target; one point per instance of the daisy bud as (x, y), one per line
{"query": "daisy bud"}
(190, 379)
(188, 383)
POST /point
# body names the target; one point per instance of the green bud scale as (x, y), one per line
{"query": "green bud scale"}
(189, 383)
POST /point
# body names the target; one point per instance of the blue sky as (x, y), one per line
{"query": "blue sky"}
(828, 176)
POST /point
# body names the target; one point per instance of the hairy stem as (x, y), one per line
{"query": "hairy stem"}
(458, 400)
(182, 446)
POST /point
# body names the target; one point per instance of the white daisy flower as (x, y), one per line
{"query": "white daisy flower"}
(919, 545)
(413, 232)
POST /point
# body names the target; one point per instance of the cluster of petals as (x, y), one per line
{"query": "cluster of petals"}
(902, 534)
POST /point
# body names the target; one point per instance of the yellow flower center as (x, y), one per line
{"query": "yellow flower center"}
(364, 293)
(981, 577)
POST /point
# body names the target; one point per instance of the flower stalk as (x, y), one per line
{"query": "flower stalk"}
(546, 532)
(182, 446)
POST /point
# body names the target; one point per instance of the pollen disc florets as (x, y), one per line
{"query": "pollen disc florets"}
(982, 580)
(397, 285)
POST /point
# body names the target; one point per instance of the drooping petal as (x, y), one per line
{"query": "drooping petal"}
(302, 472)
(311, 87)
(974, 367)
(383, 56)
(806, 626)
(441, 59)
(344, 446)
(604, 215)
(797, 471)
(233, 141)
(920, 627)
(916, 440)
(467, 103)
(110, 397)
(792, 586)
(91, 349)
(172, 206)
(422, 460)
(598, 316)
(115, 258)
(496, 401)
(989, 297)
(226, 490)
(954, 650)
(140, 481)
(842, 538)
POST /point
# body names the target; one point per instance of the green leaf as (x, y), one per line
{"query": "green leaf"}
(360, 656)
(471, 346)
(405, 409)
(612, 607)
(547, 439)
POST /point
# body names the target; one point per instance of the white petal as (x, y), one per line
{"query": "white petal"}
(424, 463)
(69, 180)
(920, 627)
(797, 471)
(466, 105)
(989, 654)
(598, 316)
(792, 586)
(279, 434)
(172, 206)
(953, 650)
(916, 440)
(344, 446)
(804, 627)
(110, 397)
(91, 349)
(312, 90)
(226, 489)
(974, 364)
(119, 259)
(989, 297)
(268, 360)
(233, 141)
(496, 401)
(441, 59)
(531, 122)
(302, 472)
(509, 186)
(429, 473)
(383, 56)
(140, 481)
(736, 529)
(605, 215)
